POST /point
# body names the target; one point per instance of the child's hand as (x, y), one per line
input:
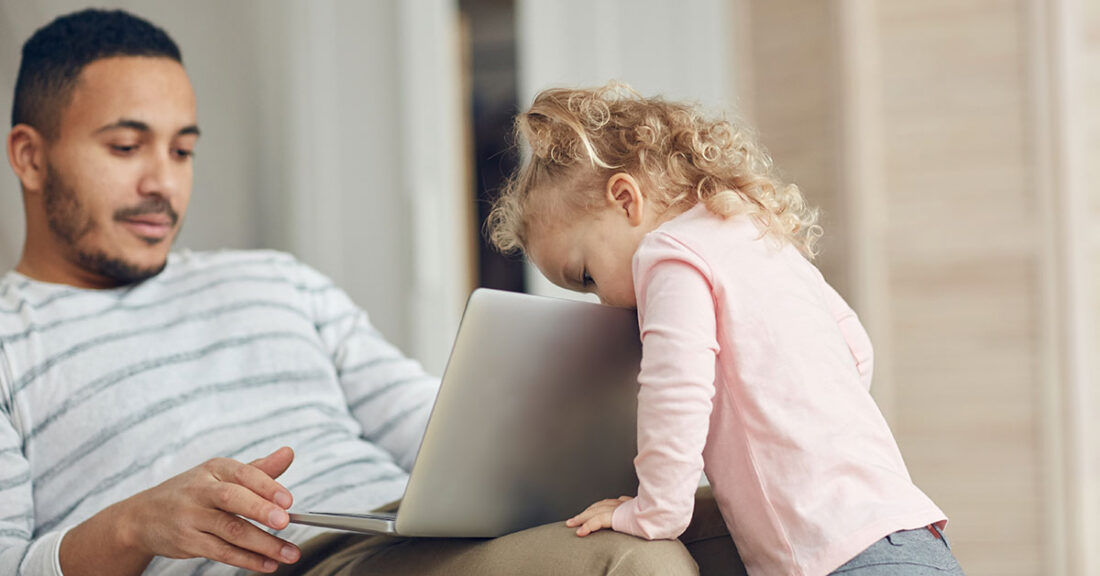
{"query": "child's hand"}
(596, 516)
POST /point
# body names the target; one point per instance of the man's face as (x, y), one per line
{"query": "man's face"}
(118, 175)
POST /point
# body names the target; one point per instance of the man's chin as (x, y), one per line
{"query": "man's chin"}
(120, 271)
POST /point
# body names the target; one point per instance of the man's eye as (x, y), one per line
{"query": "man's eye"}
(184, 154)
(123, 149)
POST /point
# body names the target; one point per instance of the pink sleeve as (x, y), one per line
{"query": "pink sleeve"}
(679, 346)
(854, 334)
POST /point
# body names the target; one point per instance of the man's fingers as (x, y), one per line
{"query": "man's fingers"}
(255, 477)
(242, 534)
(218, 550)
(237, 499)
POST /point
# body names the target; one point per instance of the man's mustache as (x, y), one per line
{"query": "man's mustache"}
(152, 205)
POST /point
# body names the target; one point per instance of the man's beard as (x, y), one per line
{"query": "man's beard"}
(71, 223)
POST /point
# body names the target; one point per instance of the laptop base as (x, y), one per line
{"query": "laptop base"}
(369, 523)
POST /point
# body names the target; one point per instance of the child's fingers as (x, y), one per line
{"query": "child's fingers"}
(584, 516)
(600, 511)
(595, 524)
(576, 520)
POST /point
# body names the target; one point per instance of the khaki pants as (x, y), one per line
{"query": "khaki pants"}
(553, 549)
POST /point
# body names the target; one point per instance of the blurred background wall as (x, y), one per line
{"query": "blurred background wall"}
(953, 146)
(331, 130)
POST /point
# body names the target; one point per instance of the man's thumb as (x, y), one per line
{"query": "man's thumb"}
(276, 463)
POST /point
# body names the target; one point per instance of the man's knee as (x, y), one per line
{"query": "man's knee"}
(555, 549)
(613, 553)
(632, 556)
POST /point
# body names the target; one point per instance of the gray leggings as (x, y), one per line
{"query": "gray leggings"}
(917, 552)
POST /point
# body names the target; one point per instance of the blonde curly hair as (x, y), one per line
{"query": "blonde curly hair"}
(578, 138)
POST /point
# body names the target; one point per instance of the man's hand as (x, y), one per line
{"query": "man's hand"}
(596, 516)
(199, 514)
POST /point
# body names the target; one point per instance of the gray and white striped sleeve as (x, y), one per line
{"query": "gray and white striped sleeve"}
(20, 551)
(388, 393)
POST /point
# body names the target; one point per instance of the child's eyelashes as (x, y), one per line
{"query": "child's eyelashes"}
(587, 280)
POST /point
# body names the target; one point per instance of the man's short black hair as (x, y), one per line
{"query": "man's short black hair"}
(56, 54)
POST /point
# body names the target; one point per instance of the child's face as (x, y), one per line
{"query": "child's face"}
(594, 252)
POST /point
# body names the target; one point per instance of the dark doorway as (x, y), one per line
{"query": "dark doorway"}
(491, 36)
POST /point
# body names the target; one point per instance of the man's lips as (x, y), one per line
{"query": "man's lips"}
(149, 226)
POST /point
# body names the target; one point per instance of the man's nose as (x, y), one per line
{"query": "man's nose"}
(161, 175)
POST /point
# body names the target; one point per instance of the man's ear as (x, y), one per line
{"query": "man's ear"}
(626, 197)
(27, 156)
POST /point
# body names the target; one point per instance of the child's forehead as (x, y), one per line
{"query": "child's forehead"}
(544, 228)
(554, 251)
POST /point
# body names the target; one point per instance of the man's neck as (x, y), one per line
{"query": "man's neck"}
(63, 272)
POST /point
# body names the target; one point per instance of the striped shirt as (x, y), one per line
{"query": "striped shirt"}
(105, 393)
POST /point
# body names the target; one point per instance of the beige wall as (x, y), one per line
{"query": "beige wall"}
(793, 103)
(931, 133)
(960, 186)
(1089, 93)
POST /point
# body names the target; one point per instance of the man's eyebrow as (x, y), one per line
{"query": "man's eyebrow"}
(140, 126)
(124, 123)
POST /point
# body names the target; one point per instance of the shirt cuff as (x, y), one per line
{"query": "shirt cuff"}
(624, 519)
(57, 550)
(44, 555)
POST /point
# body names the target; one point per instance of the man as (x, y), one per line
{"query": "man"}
(134, 382)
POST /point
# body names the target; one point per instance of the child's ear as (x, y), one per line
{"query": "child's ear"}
(624, 194)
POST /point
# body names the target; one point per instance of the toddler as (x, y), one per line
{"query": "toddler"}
(754, 369)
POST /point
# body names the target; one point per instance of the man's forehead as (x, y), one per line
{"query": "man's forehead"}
(152, 91)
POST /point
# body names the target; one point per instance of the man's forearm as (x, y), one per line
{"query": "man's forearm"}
(103, 545)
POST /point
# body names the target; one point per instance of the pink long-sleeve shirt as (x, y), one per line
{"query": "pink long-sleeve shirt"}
(756, 370)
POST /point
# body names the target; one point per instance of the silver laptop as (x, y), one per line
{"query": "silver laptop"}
(534, 421)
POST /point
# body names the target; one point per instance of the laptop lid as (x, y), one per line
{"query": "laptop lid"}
(535, 418)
